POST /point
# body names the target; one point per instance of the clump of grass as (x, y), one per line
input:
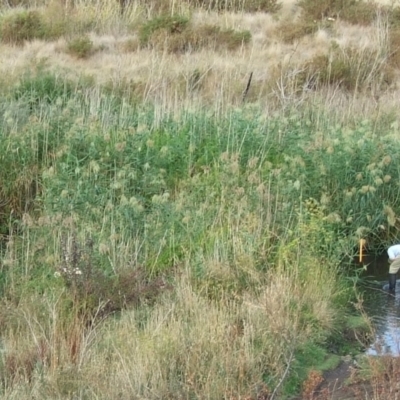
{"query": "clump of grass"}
(21, 26)
(208, 35)
(80, 47)
(322, 14)
(360, 12)
(383, 374)
(130, 45)
(128, 89)
(42, 87)
(62, 305)
(171, 24)
(194, 39)
(353, 11)
(18, 27)
(289, 32)
(393, 14)
(349, 68)
(194, 338)
(96, 293)
(56, 21)
(176, 35)
(394, 48)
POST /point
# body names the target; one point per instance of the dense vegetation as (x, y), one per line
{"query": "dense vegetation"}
(194, 254)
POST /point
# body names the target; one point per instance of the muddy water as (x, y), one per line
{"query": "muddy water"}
(382, 307)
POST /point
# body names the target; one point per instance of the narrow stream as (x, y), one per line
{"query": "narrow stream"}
(383, 308)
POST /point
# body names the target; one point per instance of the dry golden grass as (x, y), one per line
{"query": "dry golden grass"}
(185, 345)
(158, 76)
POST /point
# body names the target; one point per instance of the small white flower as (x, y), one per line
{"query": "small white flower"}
(57, 274)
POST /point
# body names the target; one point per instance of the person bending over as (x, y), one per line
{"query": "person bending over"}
(394, 261)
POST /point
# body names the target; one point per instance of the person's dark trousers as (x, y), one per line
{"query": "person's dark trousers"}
(392, 282)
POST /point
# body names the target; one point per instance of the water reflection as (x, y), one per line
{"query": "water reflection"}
(384, 311)
(382, 307)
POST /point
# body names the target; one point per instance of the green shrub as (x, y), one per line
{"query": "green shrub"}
(177, 36)
(21, 26)
(232, 39)
(194, 39)
(353, 11)
(16, 28)
(171, 24)
(360, 13)
(80, 47)
(289, 32)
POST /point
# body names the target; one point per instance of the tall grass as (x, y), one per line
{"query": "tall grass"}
(164, 235)
(207, 58)
(216, 240)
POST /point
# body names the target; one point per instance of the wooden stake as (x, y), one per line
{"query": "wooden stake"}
(247, 87)
(362, 244)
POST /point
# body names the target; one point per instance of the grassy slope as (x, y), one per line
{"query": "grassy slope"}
(154, 75)
(221, 230)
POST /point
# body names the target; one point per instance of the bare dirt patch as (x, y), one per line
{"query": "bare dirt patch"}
(378, 380)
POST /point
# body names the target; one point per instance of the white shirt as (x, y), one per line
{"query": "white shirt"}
(394, 251)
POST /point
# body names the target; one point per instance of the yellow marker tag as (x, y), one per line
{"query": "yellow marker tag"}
(362, 244)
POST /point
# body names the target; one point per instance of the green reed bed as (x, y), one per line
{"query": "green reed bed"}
(189, 256)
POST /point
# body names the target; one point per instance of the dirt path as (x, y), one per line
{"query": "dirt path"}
(336, 384)
(347, 382)
(332, 385)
